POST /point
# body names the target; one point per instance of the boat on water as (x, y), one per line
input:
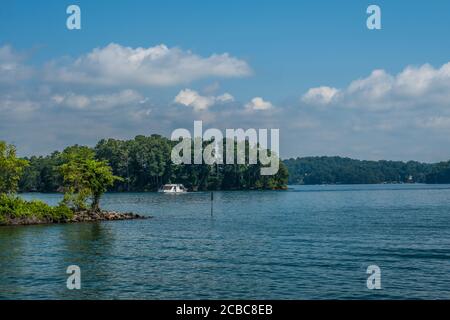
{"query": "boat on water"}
(172, 188)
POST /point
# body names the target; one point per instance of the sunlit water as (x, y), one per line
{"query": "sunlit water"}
(311, 242)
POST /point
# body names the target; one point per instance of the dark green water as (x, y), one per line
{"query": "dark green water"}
(305, 243)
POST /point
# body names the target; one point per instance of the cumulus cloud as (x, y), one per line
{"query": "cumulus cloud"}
(258, 103)
(42, 108)
(320, 95)
(153, 66)
(191, 98)
(414, 86)
(99, 101)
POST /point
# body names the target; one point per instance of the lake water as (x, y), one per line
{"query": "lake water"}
(310, 242)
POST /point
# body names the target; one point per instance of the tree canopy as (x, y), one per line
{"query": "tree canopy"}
(12, 207)
(144, 164)
(11, 168)
(84, 177)
(440, 173)
(337, 170)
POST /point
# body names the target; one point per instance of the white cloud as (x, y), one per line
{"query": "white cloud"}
(191, 98)
(320, 95)
(101, 101)
(20, 106)
(226, 97)
(414, 86)
(414, 125)
(140, 115)
(12, 67)
(258, 103)
(153, 66)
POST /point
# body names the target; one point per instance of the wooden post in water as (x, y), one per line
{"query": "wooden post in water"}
(212, 203)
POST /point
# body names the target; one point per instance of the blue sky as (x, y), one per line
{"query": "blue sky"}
(288, 48)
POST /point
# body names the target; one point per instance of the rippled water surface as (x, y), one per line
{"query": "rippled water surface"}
(311, 242)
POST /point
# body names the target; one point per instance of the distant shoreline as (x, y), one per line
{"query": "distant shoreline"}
(339, 170)
(256, 190)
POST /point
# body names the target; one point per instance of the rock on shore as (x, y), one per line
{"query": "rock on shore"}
(87, 216)
(81, 216)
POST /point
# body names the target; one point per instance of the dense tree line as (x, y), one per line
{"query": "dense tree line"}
(440, 173)
(144, 164)
(338, 170)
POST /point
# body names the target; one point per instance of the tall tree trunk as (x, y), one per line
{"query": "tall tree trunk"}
(96, 203)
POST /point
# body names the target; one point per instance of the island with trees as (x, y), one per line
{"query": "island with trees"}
(144, 164)
(84, 180)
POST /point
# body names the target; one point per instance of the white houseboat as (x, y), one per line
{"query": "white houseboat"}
(172, 188)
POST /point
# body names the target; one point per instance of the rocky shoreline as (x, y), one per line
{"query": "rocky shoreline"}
(81, 216)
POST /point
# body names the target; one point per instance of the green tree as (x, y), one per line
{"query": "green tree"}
(84, 177)
(117, 153)
(42, 175)
(11, 168)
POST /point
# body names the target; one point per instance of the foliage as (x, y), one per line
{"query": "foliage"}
(11, 168)
(144, 164)
(42, 174)
(337, 170)
(440, 173)
(84, 177)
(14, 207)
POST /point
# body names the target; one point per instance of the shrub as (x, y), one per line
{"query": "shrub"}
(15, 207)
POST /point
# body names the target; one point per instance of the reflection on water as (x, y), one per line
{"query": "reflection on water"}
(306, 243)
